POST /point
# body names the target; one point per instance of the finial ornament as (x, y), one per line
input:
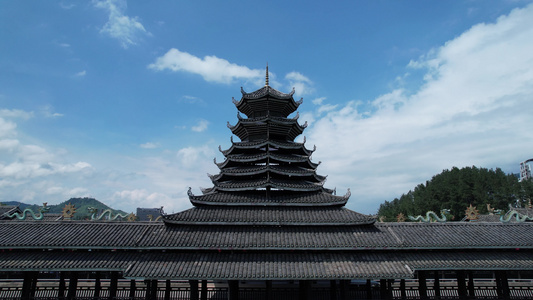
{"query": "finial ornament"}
(266, 77)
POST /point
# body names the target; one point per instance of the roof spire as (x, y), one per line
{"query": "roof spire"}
(266, 80)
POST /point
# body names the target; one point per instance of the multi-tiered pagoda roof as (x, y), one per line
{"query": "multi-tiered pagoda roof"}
(267, 177)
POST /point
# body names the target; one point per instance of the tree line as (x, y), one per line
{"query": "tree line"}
(456, 189)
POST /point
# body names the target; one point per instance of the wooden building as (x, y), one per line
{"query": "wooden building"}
(268, 221)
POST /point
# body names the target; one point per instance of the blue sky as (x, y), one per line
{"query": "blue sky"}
(128, 102)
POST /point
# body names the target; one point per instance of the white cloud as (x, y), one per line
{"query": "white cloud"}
(326, 108)
(22, 161)
(81, 73)
(66, 6)
(191, 100)
(48, 112)
(119, 26)
(15, 113)
(7, 128)
(211, 68)
(201, 126)
(149, 145)
(191, 156)
(318, 101)
(301, 83)
(473, 109)
(9, 145)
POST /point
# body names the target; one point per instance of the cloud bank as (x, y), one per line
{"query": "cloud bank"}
(474, 108)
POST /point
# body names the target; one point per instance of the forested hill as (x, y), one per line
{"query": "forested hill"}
(81, 205)
(456, 189)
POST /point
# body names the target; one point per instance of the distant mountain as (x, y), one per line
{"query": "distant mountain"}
(80, 204)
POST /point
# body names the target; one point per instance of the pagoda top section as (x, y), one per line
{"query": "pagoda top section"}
(267, 101)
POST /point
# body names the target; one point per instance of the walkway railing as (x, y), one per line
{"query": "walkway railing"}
(49, 289)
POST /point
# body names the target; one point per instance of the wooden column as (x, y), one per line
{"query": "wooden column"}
(29, 285)
(153, 287)
(61, 289)
(461, 285)
(35, 277)
(471, 288)
(304, 286)
(333, 289)
(344, 285)
(72, 285)
(113, 285)
(148, 293)
(502, 285)
(436, 284)
(368, 289)
(133, 287)
(403, 294)
(194, 289)
(268, 290)
(233, 290)
(97, 285)
(26, 285)
(168, 289)
(422, 285)
(383, 289)
(203, 295)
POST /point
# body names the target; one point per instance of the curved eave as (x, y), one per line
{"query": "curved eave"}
(199, 202)
(272, 183)
(225, 175)
(288, 130)
(264, 91)
(267, 99)
(355, 223)
(296, 172)
(268, 117)
(258, 158)
(289, 145)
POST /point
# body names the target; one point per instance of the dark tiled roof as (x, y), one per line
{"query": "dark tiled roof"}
(156, 235)
(289, 170)
(267, 98)
(246, 185)
(267, 126)
(460, 234)
(261, 266)
(265, 265)
(70, 234)
(299, 216)
(66, 261)
(236, 159)
(266, 90)
(8, 209)
(285, 145)
(469, 260)
(259, 198)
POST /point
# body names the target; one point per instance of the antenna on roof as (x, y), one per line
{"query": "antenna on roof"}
(266, 80)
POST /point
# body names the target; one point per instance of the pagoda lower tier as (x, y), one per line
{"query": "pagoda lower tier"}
(272, 198)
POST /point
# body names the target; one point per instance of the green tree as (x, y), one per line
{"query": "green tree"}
(456, 189)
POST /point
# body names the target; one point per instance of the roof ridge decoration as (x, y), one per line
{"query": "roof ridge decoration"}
(266, 76)
(432, 216)
(107, 212)
(28, 212)
(505, 218)
(68, 211)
